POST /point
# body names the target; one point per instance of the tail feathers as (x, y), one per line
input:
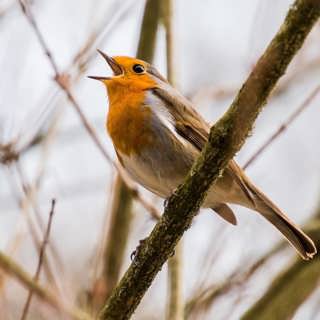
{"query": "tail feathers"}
(298, 239)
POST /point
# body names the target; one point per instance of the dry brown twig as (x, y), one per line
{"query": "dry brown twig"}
(41, 258)
(290, 288)
(76, 68)
(283, 127)
(62, 81)
(175, 304)
(37, 234)
(34, 230)
(219, 92)
(16, 271)
(206, 297)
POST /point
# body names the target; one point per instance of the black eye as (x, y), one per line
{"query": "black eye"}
(138, 68)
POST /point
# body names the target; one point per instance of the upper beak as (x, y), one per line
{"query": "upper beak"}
(116, 68)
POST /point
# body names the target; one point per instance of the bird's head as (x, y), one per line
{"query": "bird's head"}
(129, 72)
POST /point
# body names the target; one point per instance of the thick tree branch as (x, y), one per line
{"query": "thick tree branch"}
(226, 138)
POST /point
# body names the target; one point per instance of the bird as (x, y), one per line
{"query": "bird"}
(157, 135)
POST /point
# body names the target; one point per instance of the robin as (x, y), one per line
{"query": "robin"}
(157, 135)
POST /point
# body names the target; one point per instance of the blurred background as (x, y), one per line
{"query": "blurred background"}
(46, 152)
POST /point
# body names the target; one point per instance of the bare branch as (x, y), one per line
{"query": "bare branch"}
(290, 288)
(175, 308)
(13, 269)
(205, 298)
(283, 127)
(41, 256)
(149, 28)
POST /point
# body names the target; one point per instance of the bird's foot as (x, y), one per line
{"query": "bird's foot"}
(138, 248)
(166, 200)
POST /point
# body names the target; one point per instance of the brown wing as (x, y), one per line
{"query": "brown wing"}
(188, 123)
(192, 127)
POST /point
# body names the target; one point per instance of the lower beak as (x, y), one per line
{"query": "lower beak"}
(116, 68)
(99, 78)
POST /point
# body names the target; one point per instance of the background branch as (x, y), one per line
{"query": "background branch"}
(283, 127)
(149, 28)
(290, 289)
(41, 257)
(12, 268)
(175, 306)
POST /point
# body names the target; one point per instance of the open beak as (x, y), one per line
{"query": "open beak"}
(116, 68)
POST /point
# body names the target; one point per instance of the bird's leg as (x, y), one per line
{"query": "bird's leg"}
(165, 202)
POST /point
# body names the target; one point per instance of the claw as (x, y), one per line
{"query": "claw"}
(166, 200)
(172, 254)
(133, 255)
(136, 251)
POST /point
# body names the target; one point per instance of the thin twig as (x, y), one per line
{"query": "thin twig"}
(115, 242)
(37, 233)
(78, 65)
(41, 256)
(206, 297)
(283, 127)
(33, 228)
(175, 303)
(290, 289)
(63, 82)
(15, 270)
(175, 307)
(149, 29)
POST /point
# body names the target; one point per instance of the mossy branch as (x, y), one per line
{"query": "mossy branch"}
(226, 138)
(290, 289)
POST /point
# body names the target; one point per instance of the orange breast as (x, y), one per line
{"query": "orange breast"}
(128, 121)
